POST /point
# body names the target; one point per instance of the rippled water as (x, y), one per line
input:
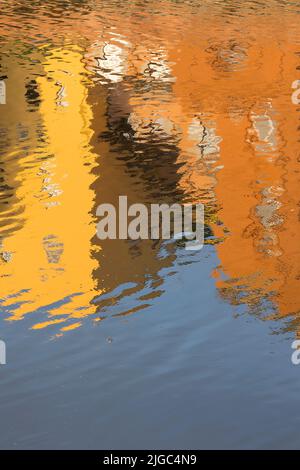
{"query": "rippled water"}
(119, 343)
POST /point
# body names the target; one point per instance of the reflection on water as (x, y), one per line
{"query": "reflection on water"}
(185, 103)
(165, 102)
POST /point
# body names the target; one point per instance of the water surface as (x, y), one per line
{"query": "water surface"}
(142, 344)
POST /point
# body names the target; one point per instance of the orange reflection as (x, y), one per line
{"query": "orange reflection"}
(216, 105)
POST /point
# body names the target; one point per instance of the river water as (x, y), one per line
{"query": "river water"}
(141, 343)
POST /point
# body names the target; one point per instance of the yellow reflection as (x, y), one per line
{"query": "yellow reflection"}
(51, 253)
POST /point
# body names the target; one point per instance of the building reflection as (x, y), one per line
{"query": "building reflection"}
(51, 266)
(174, 117)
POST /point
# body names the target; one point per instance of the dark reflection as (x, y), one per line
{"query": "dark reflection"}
(136, 170)
(146, 152)
(32, 95)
